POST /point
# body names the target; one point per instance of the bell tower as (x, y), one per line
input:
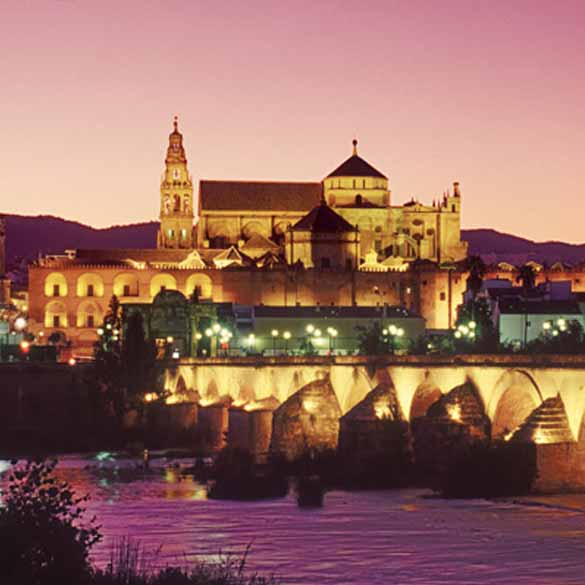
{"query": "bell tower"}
(176, 197)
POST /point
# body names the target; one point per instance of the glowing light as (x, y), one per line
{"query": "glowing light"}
(170, 339)
(546, 325)
(561, 322)
(24, 345)
(71, 361)
(333, 333)
(310, 328)
(173, 399)
(384, 331)
(317, 333)
(399, 332)
(216, 327)
(252, 406)
(19, 323)
(382, 411)
(392, 329)
(176, 354)
(555, 332)
(471, 334)
(208, 332)
(458, 334)
(454, 412)
(472, 324)
(251, 339)
(207, 402)
(286, 335)
(150, 396)
(108, 326)
(100, 331)
(310, 405)
(198, 335)
(274, 333)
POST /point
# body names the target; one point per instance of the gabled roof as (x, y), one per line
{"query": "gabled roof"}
(258, 195)
(322, 219)
(356, 166)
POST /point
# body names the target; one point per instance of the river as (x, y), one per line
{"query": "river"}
(365, 538)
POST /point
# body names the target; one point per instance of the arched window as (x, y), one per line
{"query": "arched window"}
(177, 203)
(358, 200)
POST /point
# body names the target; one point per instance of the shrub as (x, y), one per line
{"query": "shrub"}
(43, 538)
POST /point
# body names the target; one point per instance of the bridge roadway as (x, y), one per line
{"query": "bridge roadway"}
(511, 386)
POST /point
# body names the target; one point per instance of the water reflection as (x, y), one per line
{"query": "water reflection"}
(357, 538)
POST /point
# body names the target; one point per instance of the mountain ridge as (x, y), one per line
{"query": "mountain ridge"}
(29, 235)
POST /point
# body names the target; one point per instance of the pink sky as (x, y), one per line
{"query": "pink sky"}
(488, 93)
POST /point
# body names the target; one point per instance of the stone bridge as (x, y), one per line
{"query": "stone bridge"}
(510, 387)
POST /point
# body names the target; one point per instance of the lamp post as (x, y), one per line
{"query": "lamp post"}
(286, 335)
(332, 335)
(274, 334)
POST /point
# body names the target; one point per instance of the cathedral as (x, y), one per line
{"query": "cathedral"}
(334, 242)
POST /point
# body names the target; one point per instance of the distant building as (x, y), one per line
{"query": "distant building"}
(520, 315)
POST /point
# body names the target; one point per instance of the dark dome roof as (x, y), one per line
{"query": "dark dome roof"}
(323, 219)
(356, 166)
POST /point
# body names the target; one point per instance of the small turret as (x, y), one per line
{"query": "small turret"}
(456, 192)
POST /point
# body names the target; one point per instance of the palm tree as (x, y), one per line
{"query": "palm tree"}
(527, 276)
(477, 269)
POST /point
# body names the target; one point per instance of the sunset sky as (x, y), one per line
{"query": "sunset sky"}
(488, 93)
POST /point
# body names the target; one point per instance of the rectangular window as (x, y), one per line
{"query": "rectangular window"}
(90, 290)
(378, 246)
(442, 296)
(56, 290)
(90, 321)
(56, 321)
(126, 291)
(171, 233)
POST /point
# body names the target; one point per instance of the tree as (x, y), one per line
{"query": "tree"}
(475, 330)
(43, 537)
(108, 362)
(477, 269)
(527, 276)
(371, 340)
(138, 360)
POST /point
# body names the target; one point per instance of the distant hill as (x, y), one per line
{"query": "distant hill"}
(495, 246)
(27, 236)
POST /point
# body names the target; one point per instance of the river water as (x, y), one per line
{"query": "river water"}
(366, 538)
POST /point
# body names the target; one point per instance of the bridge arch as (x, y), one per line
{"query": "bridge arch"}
(515, 395)
(425, 395)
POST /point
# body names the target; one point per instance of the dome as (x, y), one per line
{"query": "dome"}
(356, 166)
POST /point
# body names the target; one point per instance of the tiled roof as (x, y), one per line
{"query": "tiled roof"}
(258, 195)
(322, 219)
(356, 166)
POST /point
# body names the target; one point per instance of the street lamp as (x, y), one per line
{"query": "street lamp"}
(332, 335)
(286, 336)
(274, 334)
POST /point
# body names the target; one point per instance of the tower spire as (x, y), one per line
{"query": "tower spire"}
(354, 143)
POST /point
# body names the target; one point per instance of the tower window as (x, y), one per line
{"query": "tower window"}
(90, 321)
(358, 199)
(56, 321)
(378, 246)
(90, 291)
(453, 208)
(56, 290)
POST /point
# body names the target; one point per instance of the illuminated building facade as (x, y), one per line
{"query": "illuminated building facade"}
(337, 242)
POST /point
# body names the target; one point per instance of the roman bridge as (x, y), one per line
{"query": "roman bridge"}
(510, 387)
